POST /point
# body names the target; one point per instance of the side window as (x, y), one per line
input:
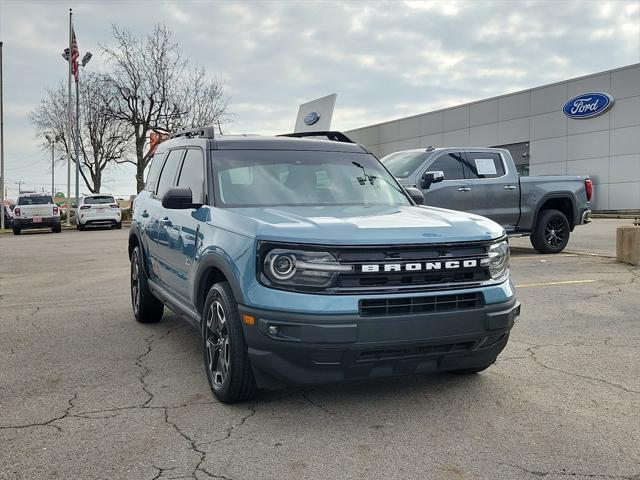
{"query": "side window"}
(450, 164)
(483, 165)
(154, 172)
(169, 172)
(192, 174)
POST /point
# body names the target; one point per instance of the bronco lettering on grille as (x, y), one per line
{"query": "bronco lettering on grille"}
(423, 266)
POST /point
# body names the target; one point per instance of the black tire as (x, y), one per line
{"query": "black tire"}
(56, 229)
(551, 233)
(118, 226)
(80, 227)
(146, 307)
(17, 231)
(226, 361)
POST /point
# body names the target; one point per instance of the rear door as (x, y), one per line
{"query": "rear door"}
(157, 215)
(454, 191)
(495, 189)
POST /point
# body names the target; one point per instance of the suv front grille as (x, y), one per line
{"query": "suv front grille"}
(379, 307)
(405, 280)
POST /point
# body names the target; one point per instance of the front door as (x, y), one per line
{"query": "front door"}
(454, 191)
(182, 228)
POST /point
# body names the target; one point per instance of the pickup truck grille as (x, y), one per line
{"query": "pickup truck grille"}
(419, 305)
(411, 268)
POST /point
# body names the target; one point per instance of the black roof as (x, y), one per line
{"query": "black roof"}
(259, 142)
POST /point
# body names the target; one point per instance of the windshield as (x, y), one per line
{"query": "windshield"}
(269, 178)
(35, 200)
(99, 200)
(403, 164)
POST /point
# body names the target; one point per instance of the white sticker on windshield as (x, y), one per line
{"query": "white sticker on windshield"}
(485, 166)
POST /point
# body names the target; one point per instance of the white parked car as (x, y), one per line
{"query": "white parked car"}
(98, 210)
(35, 210)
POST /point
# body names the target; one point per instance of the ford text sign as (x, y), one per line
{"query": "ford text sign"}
(588, 105)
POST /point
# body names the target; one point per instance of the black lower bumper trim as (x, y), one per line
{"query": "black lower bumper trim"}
(289, 349)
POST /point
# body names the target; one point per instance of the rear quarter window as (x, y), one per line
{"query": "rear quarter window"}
(483, 165)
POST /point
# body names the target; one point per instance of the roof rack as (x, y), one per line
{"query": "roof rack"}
(204, 132)
(329, 135)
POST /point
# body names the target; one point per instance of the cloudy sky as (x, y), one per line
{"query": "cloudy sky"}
(384, 59)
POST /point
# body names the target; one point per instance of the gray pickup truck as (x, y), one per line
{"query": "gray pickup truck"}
(484, 181)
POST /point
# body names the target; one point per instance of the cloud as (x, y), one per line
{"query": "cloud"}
(384, 59)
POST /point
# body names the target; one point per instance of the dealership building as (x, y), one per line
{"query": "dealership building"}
(587, 125)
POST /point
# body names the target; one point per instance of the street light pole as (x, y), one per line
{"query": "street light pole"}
(2, 173)
(70, 126)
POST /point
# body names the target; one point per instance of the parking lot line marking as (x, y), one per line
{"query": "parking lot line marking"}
(544, 256)
(546, 284)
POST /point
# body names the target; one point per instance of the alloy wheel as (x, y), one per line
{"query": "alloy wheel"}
(555, 232)
(135, 283)
(217, 344)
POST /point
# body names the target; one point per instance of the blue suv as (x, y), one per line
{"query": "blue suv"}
(303, 261)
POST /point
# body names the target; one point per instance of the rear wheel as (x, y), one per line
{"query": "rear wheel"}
(551, 233)
(118, 225)
(146, 307)
(56, 228)
(80, 227)
(225, 352)
(17, 231)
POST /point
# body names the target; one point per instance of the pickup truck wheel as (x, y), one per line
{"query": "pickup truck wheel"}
(225, 352)
(16, 231)
(552, 231)
(56, 229)
(146, 307)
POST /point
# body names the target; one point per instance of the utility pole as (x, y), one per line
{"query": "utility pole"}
(19, 183)
(2, 179)
(52, 140)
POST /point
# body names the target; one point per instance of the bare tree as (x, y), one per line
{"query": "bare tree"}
(155, 89)
(103, 140)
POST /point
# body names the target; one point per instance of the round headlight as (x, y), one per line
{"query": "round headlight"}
(282, 267)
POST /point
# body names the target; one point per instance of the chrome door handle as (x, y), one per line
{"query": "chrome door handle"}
(510, 187)
(464, 189)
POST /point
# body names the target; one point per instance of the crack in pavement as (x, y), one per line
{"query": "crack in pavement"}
(229, 432)
(564, 473)
(48, 423)
(531, 351)
(305, 395)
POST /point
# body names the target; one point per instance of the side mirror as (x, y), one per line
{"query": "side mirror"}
(432, 177)
(416, 195)
(179, 198)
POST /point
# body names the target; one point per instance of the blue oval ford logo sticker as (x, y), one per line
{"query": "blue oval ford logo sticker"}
(311, 118)
(588, 105)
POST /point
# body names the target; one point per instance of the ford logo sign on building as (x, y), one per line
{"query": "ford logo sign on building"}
(588, 105)
(311, 118)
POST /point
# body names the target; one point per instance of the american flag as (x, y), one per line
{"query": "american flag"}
(74, 55)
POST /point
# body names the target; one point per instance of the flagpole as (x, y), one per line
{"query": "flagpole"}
(70, 139)
(77, 139)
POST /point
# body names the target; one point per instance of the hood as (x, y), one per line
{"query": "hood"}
(358, 225)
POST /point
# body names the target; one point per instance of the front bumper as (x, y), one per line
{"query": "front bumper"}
(47, 222)
(314, 349)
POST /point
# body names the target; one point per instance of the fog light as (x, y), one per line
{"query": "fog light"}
(273, 330)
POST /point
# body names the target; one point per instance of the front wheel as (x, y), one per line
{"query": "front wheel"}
(146, 307)
(225, 351)
(551, 233)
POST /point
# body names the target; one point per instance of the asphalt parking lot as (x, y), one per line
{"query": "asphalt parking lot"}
(88, 393)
